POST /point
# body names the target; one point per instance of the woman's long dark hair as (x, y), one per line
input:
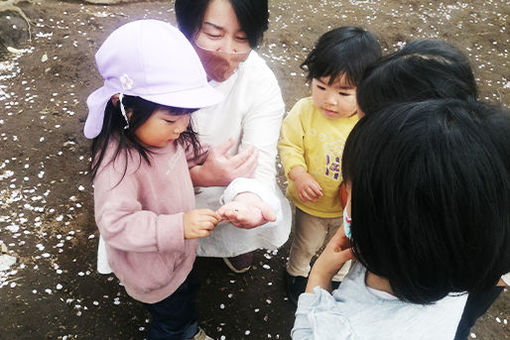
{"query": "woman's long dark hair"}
(113, 128)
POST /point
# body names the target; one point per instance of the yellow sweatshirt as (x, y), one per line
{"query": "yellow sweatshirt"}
(316, 143)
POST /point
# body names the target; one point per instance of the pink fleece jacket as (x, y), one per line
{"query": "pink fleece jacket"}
(140, 216)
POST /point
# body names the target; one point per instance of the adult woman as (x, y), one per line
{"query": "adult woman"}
(246, 124)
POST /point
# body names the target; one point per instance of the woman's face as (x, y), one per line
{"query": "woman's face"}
(220, 42)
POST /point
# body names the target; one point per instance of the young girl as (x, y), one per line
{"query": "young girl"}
(311, 144)
(142, 148)
(422, 69)
(426, 216)
(426, 69)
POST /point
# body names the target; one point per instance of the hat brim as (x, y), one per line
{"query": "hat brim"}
(189, 99)
(96, 103)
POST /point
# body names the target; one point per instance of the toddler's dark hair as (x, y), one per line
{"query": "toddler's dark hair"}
(423, 69)
(431, 195)
(346, 50)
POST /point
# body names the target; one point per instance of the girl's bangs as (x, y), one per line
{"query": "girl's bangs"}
(178, 111)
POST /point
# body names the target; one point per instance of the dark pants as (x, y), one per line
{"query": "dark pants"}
(176, 317)
(477, 304)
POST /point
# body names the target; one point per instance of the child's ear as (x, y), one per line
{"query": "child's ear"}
(348, 188)
(115, 100)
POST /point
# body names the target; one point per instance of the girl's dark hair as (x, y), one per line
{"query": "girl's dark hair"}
(423, 69)
(253, 16)
(431, 195)
(345, 51)
(113, 128)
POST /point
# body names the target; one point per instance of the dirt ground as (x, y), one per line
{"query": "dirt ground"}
(46, 210)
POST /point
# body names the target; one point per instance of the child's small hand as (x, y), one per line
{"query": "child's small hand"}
(247, 211)
(335, 254)
(307, 188)
(199, 223)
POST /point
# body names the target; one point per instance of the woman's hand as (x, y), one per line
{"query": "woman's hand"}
(334, 256)
(307, 188)
(219, 169)
(247, 211)
(199, 223)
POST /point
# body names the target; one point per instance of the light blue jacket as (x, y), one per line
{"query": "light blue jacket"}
(355, 311)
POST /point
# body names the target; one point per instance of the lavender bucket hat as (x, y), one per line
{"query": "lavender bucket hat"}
(153, 60)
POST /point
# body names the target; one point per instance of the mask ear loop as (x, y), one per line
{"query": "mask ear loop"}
(123, 111)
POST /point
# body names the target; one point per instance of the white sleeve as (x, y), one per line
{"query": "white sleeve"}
(506, 279)
(261, 128)
(266, 194)
(262, 123)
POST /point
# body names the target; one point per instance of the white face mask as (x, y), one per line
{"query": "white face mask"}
(347, 223)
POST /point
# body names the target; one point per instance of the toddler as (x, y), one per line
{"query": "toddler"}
(425, 216)
(312, 140)
(426, 69)
(142, 149)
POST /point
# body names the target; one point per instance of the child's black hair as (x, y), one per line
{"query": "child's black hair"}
(423, 69)
(253, 16)
(431, 195)
(346, 50)
(113, 128)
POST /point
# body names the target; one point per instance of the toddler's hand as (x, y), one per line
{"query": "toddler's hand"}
(199, 223)
(335, 254)
(247, 211)
(307, 188)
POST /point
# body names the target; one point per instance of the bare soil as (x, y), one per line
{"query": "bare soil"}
(46, 208)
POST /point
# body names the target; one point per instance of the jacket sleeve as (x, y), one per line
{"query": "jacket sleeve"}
(122, 220)
(316, 318)
(291, 144)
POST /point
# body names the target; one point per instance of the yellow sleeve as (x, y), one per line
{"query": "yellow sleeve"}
(291, 143)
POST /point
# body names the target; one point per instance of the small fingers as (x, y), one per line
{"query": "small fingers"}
(209, 225)
(209, 214)
(312, 193)
(203, 233)
(307, 195)
(316, 189)
(303, 197)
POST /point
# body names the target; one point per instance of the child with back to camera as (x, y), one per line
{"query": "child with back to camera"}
(426, 69)
(142, 149)
(311, 144)
(422, 69)
(428, 193)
